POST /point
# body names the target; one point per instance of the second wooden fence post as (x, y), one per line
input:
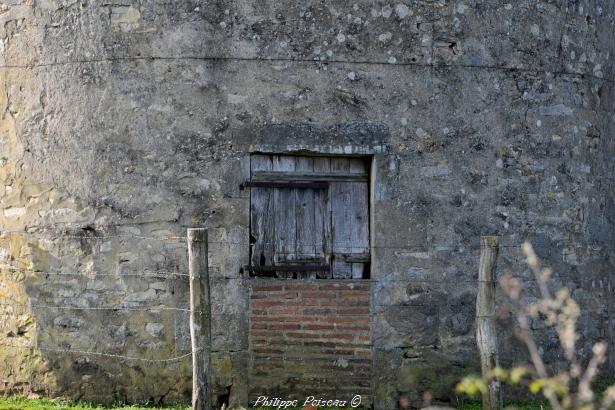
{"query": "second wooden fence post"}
(200, 316)
(486, 336)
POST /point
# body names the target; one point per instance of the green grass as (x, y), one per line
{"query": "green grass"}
(532, 405)
(20, 403)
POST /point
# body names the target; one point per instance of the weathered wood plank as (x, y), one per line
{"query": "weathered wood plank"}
(285, 216)
(340, 165)
(262, 226)
(341, 203)
(305, 242)
(357, 270)
(350, 214)
(291, 268)
(286, 184)
(358, 167)
(359, 225)
(310, 176)
(322, 216)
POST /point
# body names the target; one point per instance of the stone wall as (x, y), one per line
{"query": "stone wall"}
(128, 122)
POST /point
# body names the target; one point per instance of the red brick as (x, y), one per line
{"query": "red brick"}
(354, 295)
(358, 302)
(360, 361)
(344, 345)
(276, 311)
(332, 319)
(284, 327)
(355, 311)
(336, 286)
(318, 311)
(357, 328)
(298, 319)
(259, 318)
(319, 344)
(318, 327)
(319, 295)
(266, 350)
(338, 352)
(265, 303)
(301, 286)
(261, 333)
(289, 344)
(342, 336)
(282, 319)
(304, 303)
(300, 335)
(312, 323)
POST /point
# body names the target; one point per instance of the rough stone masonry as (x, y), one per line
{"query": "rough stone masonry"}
(123, 123)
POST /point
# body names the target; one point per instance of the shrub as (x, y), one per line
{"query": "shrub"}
(567, 389)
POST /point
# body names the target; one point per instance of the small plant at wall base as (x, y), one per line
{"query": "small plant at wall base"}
(569, 389)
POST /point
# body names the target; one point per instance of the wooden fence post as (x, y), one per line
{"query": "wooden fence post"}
(200, 316)
(486, 336)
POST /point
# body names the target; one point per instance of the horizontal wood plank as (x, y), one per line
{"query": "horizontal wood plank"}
(308, 176)
(290, 268)
(286, 184)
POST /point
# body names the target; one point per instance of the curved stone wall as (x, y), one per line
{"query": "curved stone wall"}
(124, 123)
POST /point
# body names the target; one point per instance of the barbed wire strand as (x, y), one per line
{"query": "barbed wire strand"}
(15, 303)
(157, 274)
(102, 354)
(164, 238)
(246, 243)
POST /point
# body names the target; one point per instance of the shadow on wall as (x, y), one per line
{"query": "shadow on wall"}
(64, 334)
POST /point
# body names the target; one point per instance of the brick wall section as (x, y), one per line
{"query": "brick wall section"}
(310, 338)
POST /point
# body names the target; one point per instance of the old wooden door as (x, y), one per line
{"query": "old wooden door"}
(309, 216)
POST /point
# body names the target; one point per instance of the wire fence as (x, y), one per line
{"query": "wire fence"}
(131, 306)
(8, 305)
(183, 240)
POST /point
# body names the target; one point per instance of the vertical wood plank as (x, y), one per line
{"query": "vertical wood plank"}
(357, 166)
(486, 336)
(340, 196)
(340, 164)
(340, 227)
(350, 210)
(359, 225)
(200, 316)
(322, 216)
(305, 222)
(285, 217)
(262, 218)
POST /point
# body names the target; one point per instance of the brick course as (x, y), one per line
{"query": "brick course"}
(310, 338)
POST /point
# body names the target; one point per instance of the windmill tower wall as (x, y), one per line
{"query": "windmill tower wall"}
(124, 123)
